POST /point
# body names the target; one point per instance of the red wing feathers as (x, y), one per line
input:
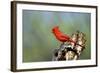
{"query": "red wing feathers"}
(59, 35)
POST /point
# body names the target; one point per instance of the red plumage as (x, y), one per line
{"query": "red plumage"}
(60, 36)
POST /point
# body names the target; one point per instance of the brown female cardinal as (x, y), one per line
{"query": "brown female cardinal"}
(61, 36)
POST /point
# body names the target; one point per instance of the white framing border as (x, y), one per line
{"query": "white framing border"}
(36, 65)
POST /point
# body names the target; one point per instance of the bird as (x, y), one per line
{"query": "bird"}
(60, 36)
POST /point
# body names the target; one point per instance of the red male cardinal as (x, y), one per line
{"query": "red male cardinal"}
(60, 36)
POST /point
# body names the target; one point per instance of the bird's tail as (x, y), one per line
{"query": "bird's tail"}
(72, 41)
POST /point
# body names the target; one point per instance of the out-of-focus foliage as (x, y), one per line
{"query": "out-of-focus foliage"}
(38, 40)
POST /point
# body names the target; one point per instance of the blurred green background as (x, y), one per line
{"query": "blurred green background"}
(38, 40)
